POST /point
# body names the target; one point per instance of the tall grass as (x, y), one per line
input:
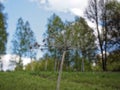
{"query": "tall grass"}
(70, 81)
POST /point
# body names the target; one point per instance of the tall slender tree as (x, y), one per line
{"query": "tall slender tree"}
(113, 24)
(54, 27)
(94, 12)
(107, 13)
(22, 41)
(83, 40)
(3, 32)
(66, 36)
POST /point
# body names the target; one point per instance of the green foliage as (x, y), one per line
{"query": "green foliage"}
(47, 64)
(41, 65)
(71, 36)
(107, 13)
(77, 66)
(3, 32)
(113, 25)
(84, 38)
(96, 68)
(54, 27)
(70, 81)
(19, 66)
(114, 61)
(22, 41)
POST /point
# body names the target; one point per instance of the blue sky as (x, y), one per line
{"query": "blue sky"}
(37, 12)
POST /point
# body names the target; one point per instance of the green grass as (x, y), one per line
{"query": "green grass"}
(70, 81)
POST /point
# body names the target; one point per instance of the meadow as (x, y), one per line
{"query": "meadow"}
(23, 80)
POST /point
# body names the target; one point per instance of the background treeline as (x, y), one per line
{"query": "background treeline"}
(87, 49)
(87, 46)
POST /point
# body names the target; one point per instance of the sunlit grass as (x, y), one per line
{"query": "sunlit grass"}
(70, 81)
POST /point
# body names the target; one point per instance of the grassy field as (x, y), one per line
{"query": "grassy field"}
(70, 81)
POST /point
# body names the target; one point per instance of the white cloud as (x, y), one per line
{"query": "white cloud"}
(77, 11)
(74, 6)
(5, 59)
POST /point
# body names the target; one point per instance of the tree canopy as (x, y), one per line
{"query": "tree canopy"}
(3, 30)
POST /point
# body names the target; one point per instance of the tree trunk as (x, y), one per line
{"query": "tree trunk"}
(60, 71)
(46, 63)
(98, 32)
(1, 66)
(106, 32)
(55, 65)
(103, 60)
(82, 66)
(31, 65)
